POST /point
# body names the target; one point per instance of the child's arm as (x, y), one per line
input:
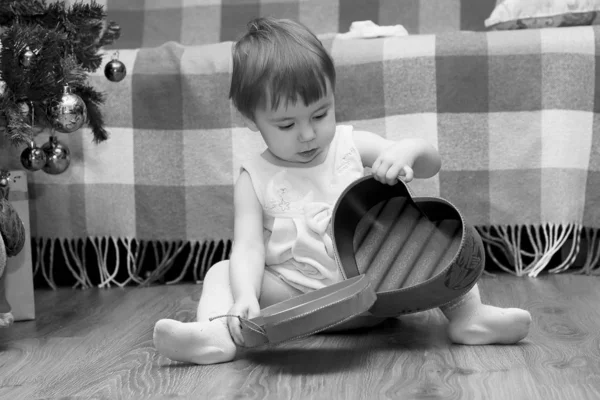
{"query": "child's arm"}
(247, 261)
(387, 158)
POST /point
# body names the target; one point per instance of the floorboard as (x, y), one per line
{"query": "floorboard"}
(97, 344)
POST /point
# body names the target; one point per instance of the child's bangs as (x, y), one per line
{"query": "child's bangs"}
(308, 84)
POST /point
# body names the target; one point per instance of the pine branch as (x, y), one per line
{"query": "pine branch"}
(82, 23)
(92, 99)
(87, 12)
(111, 34)
(19, 132)
(73, 74)
(11, 10)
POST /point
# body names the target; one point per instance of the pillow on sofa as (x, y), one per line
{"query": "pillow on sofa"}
(533, 14)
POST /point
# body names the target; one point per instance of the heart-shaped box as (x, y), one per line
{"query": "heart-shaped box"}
(418, 253)
(398, 255)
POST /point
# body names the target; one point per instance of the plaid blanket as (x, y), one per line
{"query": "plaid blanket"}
(195, 22)
(513, 115)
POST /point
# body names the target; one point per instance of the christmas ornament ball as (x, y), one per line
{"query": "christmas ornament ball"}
(68, 113)
(115, 70)
(4, 188)
(27, 57)
(33, 158)
(58, 156)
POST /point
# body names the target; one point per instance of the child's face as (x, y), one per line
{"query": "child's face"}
(298, 133)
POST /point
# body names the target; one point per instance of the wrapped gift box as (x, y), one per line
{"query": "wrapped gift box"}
(18, 276)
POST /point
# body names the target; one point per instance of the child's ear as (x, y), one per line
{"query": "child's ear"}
(249, 123)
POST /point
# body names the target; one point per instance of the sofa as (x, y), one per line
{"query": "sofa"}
(513, 114)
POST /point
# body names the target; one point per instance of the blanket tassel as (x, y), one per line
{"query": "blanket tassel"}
(545, 242)
(104, 262)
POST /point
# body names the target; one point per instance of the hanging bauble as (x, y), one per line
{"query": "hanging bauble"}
(67, 113)
(115, 70)
(4, 188)
(33, 158)
(27, 57)
(58, 156)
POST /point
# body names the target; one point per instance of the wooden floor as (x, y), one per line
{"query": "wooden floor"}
(98, 344)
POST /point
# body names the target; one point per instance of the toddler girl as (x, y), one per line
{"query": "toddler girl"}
(283, 84)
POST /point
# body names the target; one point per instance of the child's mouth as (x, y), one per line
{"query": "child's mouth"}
(308, 153)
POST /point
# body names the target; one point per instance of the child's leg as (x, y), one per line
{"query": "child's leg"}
(275, 290)
(203, 341)
(472, 322)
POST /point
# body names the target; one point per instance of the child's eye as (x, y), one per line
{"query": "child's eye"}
(321, 115)
(286, 127)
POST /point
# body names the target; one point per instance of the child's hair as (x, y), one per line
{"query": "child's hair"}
(278, 59)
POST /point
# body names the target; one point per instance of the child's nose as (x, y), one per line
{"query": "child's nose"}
(307, 134)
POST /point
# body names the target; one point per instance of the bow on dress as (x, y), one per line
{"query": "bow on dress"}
(318, 218)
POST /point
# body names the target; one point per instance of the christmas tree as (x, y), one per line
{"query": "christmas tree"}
(47, 52)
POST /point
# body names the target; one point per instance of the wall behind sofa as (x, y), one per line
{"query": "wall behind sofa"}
(150, 23)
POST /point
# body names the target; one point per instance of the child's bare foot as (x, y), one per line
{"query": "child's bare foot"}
(196, 342)
(485, 324)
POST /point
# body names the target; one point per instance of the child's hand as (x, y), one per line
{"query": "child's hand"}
(392, 165)
(247, 308)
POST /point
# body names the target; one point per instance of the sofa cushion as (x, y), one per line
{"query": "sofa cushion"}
(533, 14)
